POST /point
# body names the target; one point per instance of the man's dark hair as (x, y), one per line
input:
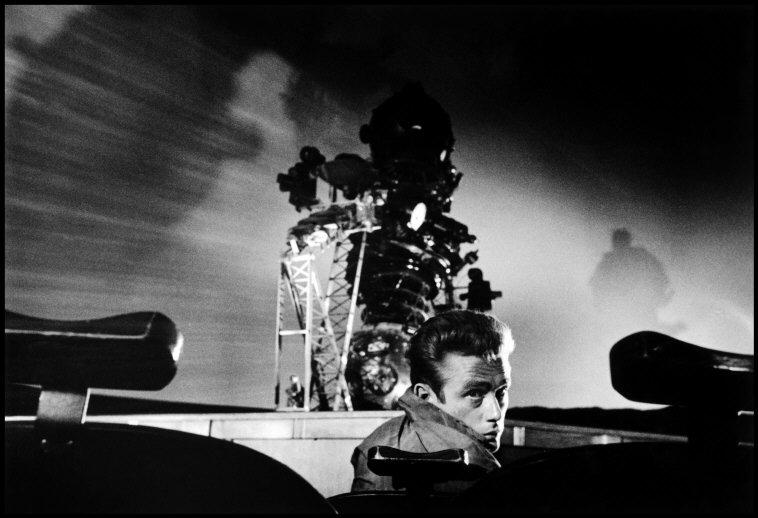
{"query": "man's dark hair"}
(460, 331)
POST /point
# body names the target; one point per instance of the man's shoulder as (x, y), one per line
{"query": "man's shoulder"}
(386, 434)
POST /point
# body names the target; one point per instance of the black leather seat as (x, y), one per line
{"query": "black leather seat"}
(644, 477)
(58, 464)
(110, 468)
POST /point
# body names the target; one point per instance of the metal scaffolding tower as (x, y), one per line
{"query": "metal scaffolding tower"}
(324, 322)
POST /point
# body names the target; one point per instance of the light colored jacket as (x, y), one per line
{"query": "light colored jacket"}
(424, 428)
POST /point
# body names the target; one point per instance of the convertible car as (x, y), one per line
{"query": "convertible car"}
(57, 462)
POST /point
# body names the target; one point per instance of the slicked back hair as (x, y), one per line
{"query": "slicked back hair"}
(465, 332)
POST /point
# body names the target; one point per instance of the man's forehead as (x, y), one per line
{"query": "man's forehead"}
(489, 367)
(492, 368)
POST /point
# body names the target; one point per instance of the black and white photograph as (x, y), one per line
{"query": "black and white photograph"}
(379, 259)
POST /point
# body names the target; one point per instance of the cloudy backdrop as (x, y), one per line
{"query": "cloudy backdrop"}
(143, 143)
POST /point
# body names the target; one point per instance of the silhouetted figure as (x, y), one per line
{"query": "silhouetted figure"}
(630, 285)
(479, 294)
(295, 392)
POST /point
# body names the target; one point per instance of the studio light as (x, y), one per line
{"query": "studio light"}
(418, 216)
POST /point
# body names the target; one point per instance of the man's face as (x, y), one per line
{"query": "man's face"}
(475, 390)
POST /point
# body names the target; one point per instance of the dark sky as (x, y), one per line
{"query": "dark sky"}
(670, 86)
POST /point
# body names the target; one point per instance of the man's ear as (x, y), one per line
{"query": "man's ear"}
(425, 392)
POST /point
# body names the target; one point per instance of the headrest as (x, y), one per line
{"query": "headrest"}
(135, 351)
(409, 467)
(655, 368)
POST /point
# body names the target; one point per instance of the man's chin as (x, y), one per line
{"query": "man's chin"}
(493, 444)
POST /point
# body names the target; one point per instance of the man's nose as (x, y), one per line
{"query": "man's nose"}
(493, 410)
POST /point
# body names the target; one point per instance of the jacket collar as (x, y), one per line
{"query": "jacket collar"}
(425, 414)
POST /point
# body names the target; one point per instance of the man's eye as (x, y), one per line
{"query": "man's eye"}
(477, 394)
